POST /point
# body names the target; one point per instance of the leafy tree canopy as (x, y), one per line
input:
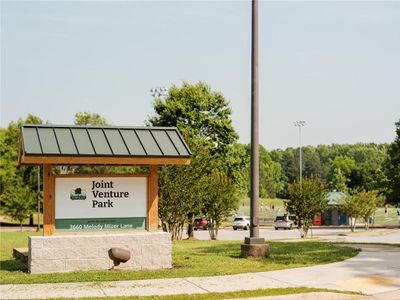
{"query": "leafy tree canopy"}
(305, 200)
(88, 118)
(198, 112)
(392, 168)
(360, 203)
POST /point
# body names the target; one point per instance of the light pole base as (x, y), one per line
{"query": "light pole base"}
(254, 247)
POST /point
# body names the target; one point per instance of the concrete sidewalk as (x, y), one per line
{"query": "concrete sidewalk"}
(375, 271)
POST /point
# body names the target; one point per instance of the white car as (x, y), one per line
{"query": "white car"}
(283, 222)
(241, 222)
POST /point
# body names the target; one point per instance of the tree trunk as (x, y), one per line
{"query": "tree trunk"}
(212, 230)
(300, 228)
(164, 227)
(366, 220)
(20, 226)
(175, 232)
(181, 231)
(190, 231)
(305, 232)
(214, 234)
(352, 223)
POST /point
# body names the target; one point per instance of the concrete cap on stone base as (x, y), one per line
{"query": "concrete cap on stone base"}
(254, 240)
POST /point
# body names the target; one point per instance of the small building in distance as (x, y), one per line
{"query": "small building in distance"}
(332, 214)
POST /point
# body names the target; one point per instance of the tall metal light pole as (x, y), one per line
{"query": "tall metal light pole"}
(300, 124)
(254, 245)
(254, 168)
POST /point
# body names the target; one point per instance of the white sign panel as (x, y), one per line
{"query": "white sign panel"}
(100, 203)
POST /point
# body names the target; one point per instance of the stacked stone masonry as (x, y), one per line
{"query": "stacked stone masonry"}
(65, 253)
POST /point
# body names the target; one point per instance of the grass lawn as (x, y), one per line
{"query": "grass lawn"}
(229, 295)
(6, 219)
(391, 219)
(266, 208)
(190, 258)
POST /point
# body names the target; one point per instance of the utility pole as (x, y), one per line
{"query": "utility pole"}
(300, 124)
(254, 245)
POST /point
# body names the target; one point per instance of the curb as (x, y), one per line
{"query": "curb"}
(314, 295)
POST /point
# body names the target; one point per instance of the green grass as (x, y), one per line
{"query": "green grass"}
(8, 220)
(229, 295)
(266, 211)
(391, 219)
(267, 201)
(190, 258)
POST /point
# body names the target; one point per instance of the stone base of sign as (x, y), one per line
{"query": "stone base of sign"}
(21, 254)
(254, 247)
(65, 253)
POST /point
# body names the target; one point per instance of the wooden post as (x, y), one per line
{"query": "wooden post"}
(48, 201)
(152, 205)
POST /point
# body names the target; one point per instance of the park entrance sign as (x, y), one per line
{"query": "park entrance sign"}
(100, 203)
(85, 214)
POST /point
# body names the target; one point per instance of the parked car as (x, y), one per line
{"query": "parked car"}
(200, 223)
(283, 222)
(241, 222)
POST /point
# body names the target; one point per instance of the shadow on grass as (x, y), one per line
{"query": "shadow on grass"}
(307, 253)
(227, 250)
(13, 265)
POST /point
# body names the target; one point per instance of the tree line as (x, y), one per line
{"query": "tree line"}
(219, 173)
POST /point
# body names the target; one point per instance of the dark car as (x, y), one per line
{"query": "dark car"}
(200, 223)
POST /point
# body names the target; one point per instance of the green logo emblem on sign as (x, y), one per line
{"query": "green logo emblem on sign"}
(78, 194)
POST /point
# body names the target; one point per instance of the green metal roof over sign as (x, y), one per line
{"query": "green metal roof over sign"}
(95, 141)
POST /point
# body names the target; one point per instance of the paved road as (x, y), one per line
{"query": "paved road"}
(390, 236)
(375, 271)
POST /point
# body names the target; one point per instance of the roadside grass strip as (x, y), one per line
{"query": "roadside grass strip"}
(226, 295)
(190, 259)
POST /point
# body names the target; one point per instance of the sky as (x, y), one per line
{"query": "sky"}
(334, 64)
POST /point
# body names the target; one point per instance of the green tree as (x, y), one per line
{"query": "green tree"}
(345, 164)
(311, 163)
(392, 168)
(237, 166)
(360, 204)
(289, 165)
(221, 201)
(305, 200)
(204, 119)
(361, 164)
(351, 206)
(10, 172)
(182, 191)
(338, 181)
(175, 199)
(18, 201)
(371, 201)
(198, 112)
(88, 118)
(272, 180)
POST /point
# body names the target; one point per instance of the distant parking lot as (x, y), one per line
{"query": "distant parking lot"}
(360, 236)
(267, 233)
